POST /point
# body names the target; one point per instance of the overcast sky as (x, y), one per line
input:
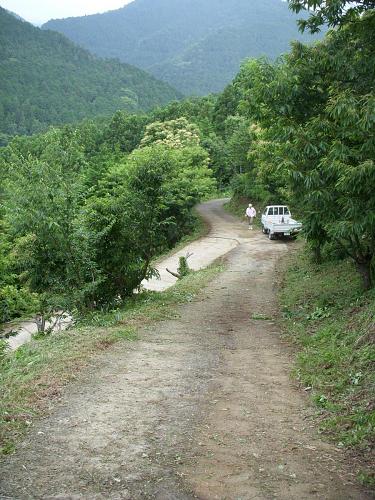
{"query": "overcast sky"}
(40, 11)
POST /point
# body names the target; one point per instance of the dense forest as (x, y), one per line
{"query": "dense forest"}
(46, 79)
(86, 208)
(195, 45)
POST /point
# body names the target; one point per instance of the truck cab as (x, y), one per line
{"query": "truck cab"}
(277, 213)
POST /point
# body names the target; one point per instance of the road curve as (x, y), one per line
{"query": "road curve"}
(225, 233)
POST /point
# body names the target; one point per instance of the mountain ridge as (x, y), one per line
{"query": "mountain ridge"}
(65, 82)
(166, 36)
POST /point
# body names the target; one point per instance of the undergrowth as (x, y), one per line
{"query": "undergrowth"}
(36, 373)
(326, 313)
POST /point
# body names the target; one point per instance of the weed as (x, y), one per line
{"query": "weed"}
(326, 314)
(8, 448)
(367, 479)
(260, 317)
(319, 313)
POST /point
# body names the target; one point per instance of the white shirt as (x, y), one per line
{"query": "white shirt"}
(251, 212)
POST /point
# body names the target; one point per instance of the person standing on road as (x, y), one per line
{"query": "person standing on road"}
(250, 214)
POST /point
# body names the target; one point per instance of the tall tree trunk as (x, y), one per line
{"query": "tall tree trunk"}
(364, 269)
(316, 249)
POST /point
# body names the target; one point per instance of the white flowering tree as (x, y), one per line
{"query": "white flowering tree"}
(176, 134)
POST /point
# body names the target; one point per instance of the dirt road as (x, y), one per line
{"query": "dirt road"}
(200, 407)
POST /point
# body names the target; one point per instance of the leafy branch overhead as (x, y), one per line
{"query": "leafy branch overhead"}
(331, 12)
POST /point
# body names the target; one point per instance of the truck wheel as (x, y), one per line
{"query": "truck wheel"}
(271, 236)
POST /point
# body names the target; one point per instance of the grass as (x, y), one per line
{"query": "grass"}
(332, 321)
(37, 372)
(260, 317)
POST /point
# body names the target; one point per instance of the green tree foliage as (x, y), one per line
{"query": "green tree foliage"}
(196, 46)
(234, 125)
(15, 299)
(83, 220)
(46, 79)
(316, 114)
(197, 110)
(331, 12)
(126, 130)
(142, 207)
(176, 134)
(43, 196)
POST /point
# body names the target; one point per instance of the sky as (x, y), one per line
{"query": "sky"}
(40, 11)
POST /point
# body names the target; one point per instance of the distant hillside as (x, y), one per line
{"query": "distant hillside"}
(15, 15)
(195, 45)
(46, 79)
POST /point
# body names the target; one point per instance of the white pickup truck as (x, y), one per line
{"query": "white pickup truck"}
(277, 221)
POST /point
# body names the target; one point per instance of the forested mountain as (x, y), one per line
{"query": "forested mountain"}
(195, 45)
(46, 79)
(15, 15)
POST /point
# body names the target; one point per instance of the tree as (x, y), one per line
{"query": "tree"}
(177, 133)
(316, 111)
(334, 176)
(125, 131)
(219, 163)
(331, 12)
(43, 195)
(143, 206)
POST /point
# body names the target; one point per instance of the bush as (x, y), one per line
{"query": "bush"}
(16, 302)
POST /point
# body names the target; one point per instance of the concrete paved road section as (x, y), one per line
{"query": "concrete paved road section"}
(224, 235)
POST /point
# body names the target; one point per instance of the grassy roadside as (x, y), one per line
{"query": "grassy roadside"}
(36, 373)
(332, 322)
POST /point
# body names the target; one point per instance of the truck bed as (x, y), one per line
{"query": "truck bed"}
(283, 227)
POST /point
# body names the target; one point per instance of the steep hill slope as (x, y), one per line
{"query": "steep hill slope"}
(195, 45)
(46, 79)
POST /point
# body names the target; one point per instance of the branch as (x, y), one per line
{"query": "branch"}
(173, 274)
